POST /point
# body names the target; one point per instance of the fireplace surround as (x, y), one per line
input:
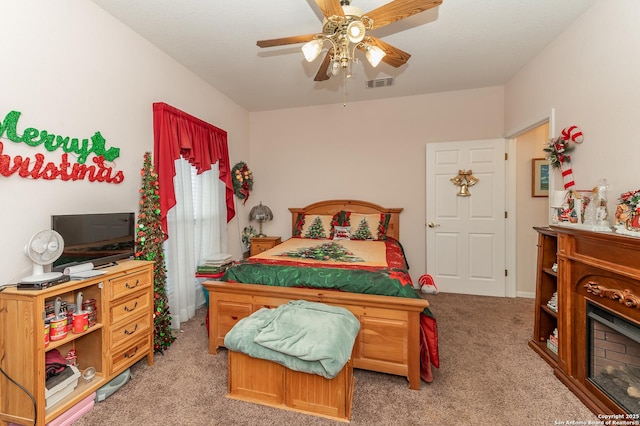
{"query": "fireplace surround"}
(599, 317)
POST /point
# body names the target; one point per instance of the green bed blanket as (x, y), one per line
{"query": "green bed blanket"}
(304, 336)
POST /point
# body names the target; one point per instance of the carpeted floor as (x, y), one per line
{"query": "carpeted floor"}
(488, 376)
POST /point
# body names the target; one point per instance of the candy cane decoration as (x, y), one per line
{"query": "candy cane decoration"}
(569, 134)
(572, 133)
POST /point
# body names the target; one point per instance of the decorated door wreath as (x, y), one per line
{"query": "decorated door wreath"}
(242, 178)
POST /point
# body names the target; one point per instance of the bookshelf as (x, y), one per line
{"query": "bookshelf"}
(545, 331)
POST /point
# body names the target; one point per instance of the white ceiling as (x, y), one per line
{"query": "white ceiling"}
(462, 44)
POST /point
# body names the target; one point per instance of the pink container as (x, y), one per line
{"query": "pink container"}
(74, 413)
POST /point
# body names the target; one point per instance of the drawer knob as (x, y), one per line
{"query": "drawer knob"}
(128, 309)
(127, 332)
(127, 285)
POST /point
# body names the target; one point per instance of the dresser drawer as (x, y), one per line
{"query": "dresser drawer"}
(128, 284)
(122, 310)
(260, 244)
(131, 330)
(257, 248)
(128, 354)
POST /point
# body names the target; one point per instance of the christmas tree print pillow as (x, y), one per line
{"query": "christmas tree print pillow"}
(368, 226)
(314, 226)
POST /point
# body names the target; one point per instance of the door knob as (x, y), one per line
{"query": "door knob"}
(433, 225)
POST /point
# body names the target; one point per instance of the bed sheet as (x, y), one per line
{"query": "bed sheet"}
(365, 267)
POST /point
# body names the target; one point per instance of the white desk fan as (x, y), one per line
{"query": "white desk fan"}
(43, 249)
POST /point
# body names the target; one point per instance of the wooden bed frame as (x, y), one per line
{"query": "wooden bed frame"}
(389, 337)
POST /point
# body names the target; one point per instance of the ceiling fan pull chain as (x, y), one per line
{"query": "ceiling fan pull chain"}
(344, 88)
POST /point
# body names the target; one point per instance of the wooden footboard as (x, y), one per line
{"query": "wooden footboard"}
(389, 337)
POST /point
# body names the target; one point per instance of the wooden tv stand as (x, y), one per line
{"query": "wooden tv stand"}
(121, 336)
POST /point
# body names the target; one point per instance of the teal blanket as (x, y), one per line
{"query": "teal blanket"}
(304, 336)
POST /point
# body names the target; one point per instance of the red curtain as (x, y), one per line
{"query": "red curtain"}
(175, 134)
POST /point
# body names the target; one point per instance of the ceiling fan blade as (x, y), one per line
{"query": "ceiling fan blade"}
(399, 9)
(394, 56)
(322, 75)
(330, 7)
(285, 40)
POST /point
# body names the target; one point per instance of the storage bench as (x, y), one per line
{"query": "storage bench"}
(268, 383)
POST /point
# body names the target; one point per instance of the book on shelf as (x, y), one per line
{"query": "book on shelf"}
(552, 341)
(553, 302)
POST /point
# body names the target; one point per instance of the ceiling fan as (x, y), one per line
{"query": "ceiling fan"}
(345, 29)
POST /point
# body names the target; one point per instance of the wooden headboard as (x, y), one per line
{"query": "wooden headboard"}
(334, 206)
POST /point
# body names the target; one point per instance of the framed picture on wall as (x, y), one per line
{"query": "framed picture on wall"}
(540, 177)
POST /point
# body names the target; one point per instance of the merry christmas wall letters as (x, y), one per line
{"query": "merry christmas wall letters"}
(39, 168)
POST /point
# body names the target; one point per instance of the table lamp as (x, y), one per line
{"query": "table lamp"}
(261, 213)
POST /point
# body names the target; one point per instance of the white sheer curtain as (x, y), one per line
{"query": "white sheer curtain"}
(197, 229)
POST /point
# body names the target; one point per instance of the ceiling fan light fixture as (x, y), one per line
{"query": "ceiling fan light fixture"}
(374, 55)
(355, 31)
(312, 49)
(346, 31)
(335, 68)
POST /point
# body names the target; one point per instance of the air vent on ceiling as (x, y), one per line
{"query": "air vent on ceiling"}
(380, 82)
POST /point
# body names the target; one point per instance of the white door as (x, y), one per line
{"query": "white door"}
(466, 234)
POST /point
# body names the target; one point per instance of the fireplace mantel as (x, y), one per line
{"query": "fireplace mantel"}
(601, 269)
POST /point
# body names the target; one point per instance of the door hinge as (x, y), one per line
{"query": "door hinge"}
(506, 215)
(506, 156)
(506, 273)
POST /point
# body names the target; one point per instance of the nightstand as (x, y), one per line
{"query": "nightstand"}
(260, 244)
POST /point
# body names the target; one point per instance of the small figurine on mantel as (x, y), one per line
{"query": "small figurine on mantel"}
(627, 217)
(596, 214)
(600, 202)
(590, 212)
(566, 213)
(602, 206)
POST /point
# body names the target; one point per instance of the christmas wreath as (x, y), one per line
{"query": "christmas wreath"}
(558, 150)
(242, 181)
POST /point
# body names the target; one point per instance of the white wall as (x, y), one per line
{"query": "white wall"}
(590, 75)
(72, 69)
(373, 151)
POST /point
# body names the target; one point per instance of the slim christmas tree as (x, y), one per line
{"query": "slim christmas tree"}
(149, 239)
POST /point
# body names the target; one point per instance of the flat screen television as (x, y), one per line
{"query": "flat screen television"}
(99, 238)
